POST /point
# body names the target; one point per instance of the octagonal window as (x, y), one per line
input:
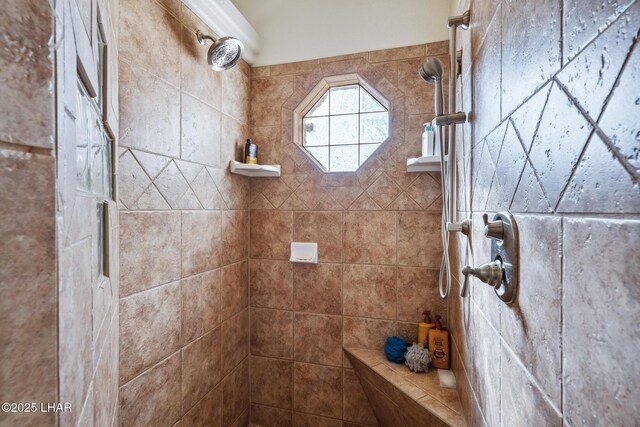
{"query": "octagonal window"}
(344, 127)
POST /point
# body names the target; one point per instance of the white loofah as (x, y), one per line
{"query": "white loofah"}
(417, 358)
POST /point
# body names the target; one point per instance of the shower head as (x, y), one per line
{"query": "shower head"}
(224, 53)
(431, 71)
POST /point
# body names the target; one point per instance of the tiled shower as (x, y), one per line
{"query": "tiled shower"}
(175, 303)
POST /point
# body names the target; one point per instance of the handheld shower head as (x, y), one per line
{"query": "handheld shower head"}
(432, 71)
(224, 53)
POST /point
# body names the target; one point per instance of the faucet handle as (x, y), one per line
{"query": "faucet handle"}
(490, 273)
(493, 229)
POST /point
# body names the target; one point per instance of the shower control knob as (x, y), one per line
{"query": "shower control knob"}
(463, 227)
(493, 229)
(490, 273)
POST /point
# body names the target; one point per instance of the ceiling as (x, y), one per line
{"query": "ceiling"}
(297, 30)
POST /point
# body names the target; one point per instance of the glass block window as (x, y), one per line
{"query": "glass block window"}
(344, 128)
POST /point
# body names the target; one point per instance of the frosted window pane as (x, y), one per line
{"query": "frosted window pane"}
(344, 158)
(321, 108)
(368, 104)
(321, 154)
(366, 150)
(316, 131)
(82, 141)
(344, 129)
(344, 99)
(374, 127)
(97, 157)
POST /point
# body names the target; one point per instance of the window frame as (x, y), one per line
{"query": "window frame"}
(316, 94)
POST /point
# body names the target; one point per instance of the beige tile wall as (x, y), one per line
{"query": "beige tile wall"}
(184, 317)
(28, 302)
(551, 139)
(378, 236)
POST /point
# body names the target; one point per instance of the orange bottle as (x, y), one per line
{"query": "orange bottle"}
(424, 327)
(439, 346)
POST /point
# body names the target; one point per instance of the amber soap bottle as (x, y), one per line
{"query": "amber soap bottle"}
(439, 346)
(424, 327)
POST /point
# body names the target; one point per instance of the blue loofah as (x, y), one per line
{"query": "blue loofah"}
(394, 348)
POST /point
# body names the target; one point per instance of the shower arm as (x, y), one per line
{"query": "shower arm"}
(202, 37)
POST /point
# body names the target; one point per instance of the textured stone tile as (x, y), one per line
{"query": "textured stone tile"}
(383, 190)
(418, 291)
(149, 328)
(26, 116)
(522, 401)
(317, 389)
(150, 240)
(197, 79)
(562, 133)
(325, 228)
(485, 342)
(483, 176)
(529, 196)
(235, 95)
(271, 333)
(369, 291)
(317, 339)
(153, 398)
(366, 333)
(586, 304)
(308, 420)
(271, 417)
(531, 49)
(510, 165)
(235, 340)
(425, 191)
(235, 289)
(235, 236)
(139, 18)
(201, 246)
(527, 117)
(584, 20)
(317, 288)
(486, 75)
(271, 382)
(172, 185)
(200, 126)
(369, 237)
(600, 183)
(235, 393)
(538, 303)
(232, 141)
(619, 120)
(201, 367)
(591, 75)
(201, 306)
(271, 283)
(132, 180)
(419, 241)
(207, 412)
(143, 95)
(271, 234)
(395, 54)
(355, 405)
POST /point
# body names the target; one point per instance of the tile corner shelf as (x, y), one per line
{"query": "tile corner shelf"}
(304, 252)
(424, 164)
(254, 170)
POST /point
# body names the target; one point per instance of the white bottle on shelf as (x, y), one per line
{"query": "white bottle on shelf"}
(429, 146)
